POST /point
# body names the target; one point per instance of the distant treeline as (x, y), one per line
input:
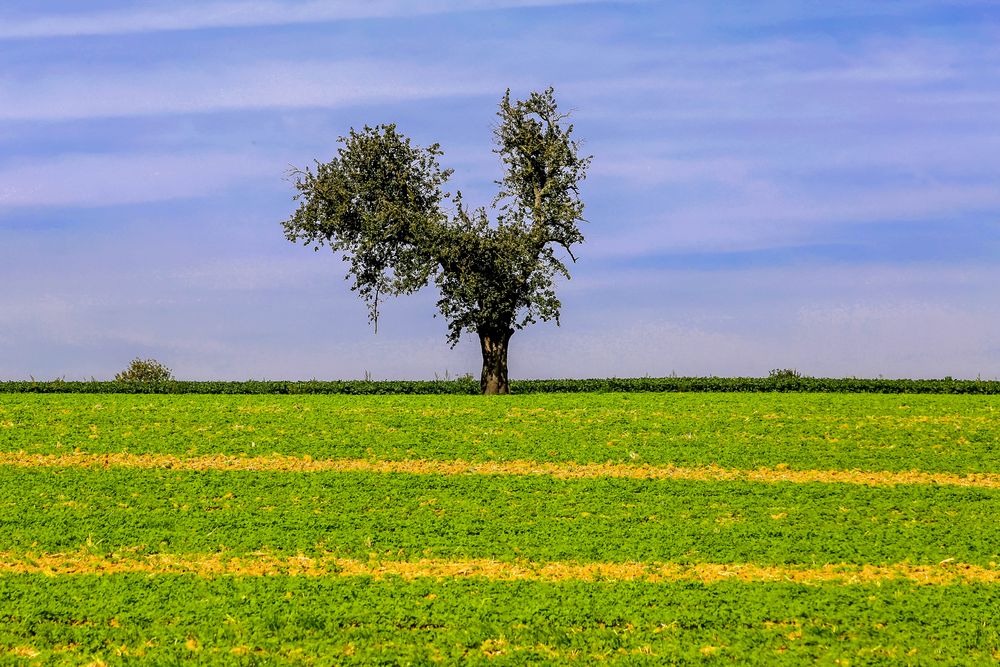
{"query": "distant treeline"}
(467, 386)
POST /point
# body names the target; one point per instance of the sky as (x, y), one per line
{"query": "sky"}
(777, 184)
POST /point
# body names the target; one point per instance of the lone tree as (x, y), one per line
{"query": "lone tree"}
(380, 203)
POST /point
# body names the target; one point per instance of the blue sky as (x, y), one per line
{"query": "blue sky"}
(775, 184)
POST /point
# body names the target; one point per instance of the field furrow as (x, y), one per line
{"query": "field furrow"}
(280, 463)
(544, 529)
(326, 565)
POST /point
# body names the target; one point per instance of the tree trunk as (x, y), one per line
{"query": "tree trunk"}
(494, 347)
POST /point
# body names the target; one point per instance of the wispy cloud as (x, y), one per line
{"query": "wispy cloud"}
(214, 87)
(773, 217)
(885, 338)
(926, 321)
(108, 179)
(257, 273)
(803, 185)
(173, 16)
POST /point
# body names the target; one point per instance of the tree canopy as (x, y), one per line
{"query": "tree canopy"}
(381, 203)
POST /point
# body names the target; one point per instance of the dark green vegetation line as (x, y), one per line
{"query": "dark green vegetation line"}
(500, 517)
(364, 387)
(170, 619)
(957, 434)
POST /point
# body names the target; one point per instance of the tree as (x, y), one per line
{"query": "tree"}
(145, 370)
(380, 203)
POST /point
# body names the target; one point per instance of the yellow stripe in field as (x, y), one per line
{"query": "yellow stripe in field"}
(262, 564)
(281, 463)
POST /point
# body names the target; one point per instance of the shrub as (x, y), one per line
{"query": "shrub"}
(784, 374)
(145, 370)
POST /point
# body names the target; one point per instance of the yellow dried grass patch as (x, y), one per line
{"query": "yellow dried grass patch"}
(281, 463)
(263, 564)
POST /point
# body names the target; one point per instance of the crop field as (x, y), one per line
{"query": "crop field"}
(544, 528)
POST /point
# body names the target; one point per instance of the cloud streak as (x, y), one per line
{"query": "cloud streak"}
(213, 88)
(752, 220)
(88, 180)
(199, 16)
(804, 186)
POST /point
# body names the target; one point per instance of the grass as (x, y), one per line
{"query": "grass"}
(933, 433)
(106, 560)
(289, 620)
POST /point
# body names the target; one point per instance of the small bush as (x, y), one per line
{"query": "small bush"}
(145, 370)
(784, 374)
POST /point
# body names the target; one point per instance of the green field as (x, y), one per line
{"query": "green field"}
(632, 528)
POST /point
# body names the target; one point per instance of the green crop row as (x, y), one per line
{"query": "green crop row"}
(268, 620)
(407, 517)
(168, 619)
(365, 387)
(957, 434)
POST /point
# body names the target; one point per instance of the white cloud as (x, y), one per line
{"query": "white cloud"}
(644, 170)
(72, 333)
(908, 337)
(765, 214)
(890, 339)
(700, 146)
(258, 273)
(194, 16)
(100, 180)
(920, 321)
(213, 87)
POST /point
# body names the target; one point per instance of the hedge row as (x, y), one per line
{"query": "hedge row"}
(364, 387)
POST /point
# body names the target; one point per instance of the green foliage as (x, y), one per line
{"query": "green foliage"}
(468, 386)
(144, 370)
(498, 517)
(502, 277)
(245, 619)
(380, 202)
(939, 433)
(360, 621)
